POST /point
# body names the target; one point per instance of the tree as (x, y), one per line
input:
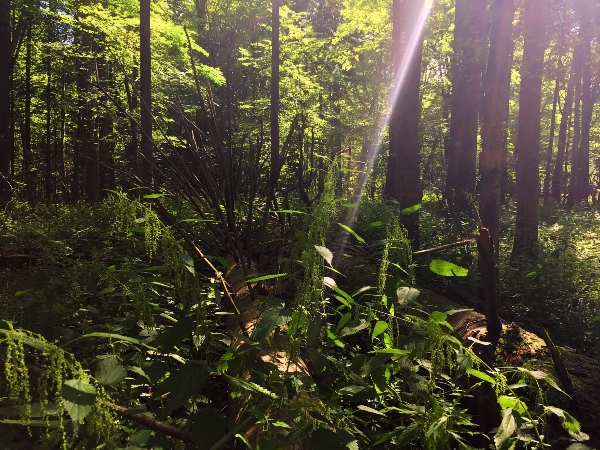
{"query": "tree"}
(528, 134)
(403, 169)
(146, 93)
(469, 50)
(493, 118)
(5, 129)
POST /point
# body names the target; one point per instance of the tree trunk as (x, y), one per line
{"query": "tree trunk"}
(557, 176)
(146, 93)
(528, 137)
(26, 130)
(274, 98)
(494, 124)
(48, 179)
(469, 50)
(580, 169)
(403, 169)
(5, 131)
(575, 144)
(546, 191)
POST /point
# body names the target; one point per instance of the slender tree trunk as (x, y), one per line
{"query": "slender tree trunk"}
(567, 111)
(580, 170)
(528, 138)
(546, 190)
(48, 182)
(6, 137)
(469, 51)
(131, 149)
(494, 124)
(105, 130)
(274, 174)
(146, 93)
(26, 131)
(404, 168)
(573, 176)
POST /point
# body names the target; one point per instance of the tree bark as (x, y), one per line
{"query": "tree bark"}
(528, 137)
(494, 123)
(146, 93)
(546, 190)
(469, 50)
(5, 85)
(26, 130)
(403, 168)
(567, 111)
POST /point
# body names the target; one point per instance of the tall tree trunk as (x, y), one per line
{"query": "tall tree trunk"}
(131, 149)
(403, 168)
(48, 140)
(274, 174)
(573, 181)
(105, 129)
(469, 50)
(5, 132)
(26, 130)
(567, 111)
(580, 169)
(528, 137)
(546, 190)
(146, 93)
(494, 123)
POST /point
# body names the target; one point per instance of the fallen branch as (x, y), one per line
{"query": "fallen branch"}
(148, 422)
(559, 364)
(445, 246)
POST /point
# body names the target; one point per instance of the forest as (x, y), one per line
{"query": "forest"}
(299, 224)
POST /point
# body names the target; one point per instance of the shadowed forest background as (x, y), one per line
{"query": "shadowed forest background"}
(336, 224)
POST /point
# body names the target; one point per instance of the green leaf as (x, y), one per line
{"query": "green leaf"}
(325, 253)
(447, 269)
(190, 378)
(151, 196)
(411, 209)
(375, 224)
(481, 376)
(324, 439)
(578, 446)
(188, 262)
(567, 421)
(506, 401)
(79, 397)
(173, 336)
(251, 386)
(392, 351)
(209, 425)
(290, 211)
(352, 232)
(506, 430)
(353, 327)
(438, 317)
(406, 295)
(265, 277)
(271, 319)
(369, 409)
(379, 328)
(109, 371)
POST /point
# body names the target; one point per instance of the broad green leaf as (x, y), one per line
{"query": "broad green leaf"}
(481, 376)
(151, 196)
(375, 224)
(174, 335)
(325, 253)
(447, 269)
(351, 390)
(209, 425)
(392, 351)
(506, 401)
(352, 232)
(506, 430)
(188, 262)
(568, 422)
(406, 295)
(343, 321)
(265, 277)
(438, 317)
(271, 319)
(79, 397)
(190, 378)
(251, 386)
(353, 327)
(578, 446)
(113, 336)
(411, 209)
(379, 328)
(109, 371)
